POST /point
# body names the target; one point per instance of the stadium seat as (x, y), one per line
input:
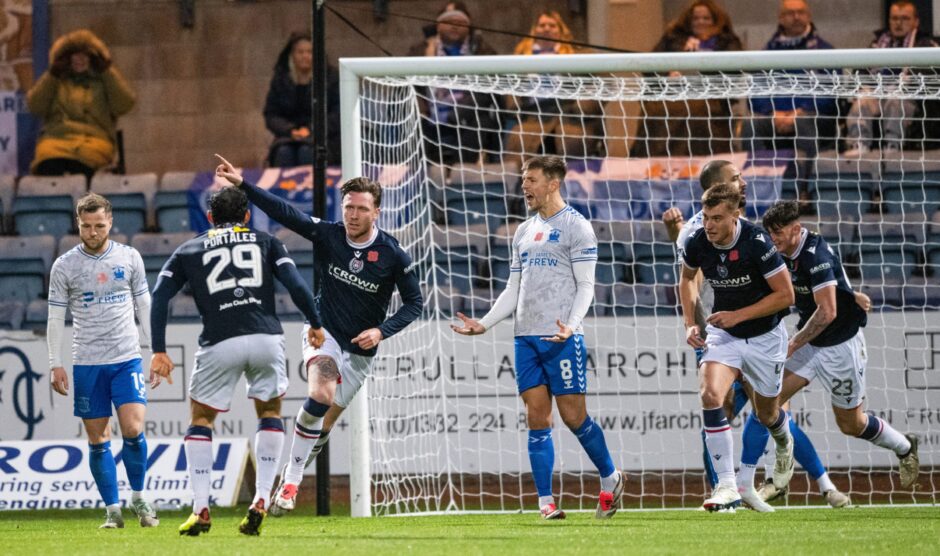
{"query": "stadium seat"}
(37, 315)
(911, 186)
(12, 312)
(131, 199)
(155, 249)
(613, 264)
(455, 268)
(171, 202)
(24, 264)
(637, 299)
(448, 300)
(843, 186)
(470, 209)
(603, 300)
(45, 204)
(67, 242)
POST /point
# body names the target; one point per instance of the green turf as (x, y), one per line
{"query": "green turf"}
(897, 531)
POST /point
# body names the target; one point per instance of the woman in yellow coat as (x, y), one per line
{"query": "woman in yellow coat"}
(79, 100)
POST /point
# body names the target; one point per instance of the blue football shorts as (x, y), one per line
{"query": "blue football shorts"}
(97, 387)
(561, 367)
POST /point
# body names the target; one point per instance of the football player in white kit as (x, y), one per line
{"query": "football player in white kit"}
(102, 282)
(551, 286)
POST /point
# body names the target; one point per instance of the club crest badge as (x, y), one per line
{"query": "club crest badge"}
(722, 271)
(118, 272)
(355, 265)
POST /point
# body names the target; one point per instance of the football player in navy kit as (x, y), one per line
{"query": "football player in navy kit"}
(746, 335)
(358, 268)
(230, 269)
(829, 344)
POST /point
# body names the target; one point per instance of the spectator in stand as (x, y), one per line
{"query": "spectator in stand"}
(453, 119)
(896, 115)
(79, 100)
(287, 110)
(798, 124)
(691, 127)
(565, 128)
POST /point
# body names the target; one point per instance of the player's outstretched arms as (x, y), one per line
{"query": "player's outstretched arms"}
(60, 381)
(468, 327)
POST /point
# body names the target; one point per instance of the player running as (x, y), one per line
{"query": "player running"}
(829, 343)
(550, 289)
(723, 171)
(101, 282)
(746, 336)
(230, 269)
(358, 268)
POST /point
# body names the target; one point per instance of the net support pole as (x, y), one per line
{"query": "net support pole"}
(360, 478)
(318, 105)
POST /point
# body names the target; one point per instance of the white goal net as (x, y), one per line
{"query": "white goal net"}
(446, 428)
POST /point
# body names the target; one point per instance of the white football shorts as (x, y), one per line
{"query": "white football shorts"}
(760, 359)
(840, 369)
(354, 369)
(260, 357)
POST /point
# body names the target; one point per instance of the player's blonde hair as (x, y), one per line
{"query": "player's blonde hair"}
(722, 193)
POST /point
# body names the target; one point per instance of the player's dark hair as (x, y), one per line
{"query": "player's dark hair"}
(711, 173)
(722, 193)
(552, 167)
(782, 213)
(92, 203)
(363, 185)
(228, 206)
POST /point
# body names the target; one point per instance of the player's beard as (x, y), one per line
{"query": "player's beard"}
(94, 245)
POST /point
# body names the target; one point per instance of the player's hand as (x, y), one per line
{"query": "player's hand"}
(863, 301)
(368, 339)
(723, 319)
(564, 332)
(470, 326)
(60, 380)
(673, 220)
(227, 171)
(693, 336)
(160, 367)
(315, 337)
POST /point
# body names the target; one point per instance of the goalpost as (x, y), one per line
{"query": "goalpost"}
(440, 428)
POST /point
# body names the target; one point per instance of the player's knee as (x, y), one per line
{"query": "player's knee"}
(539, 419)
(711, 397)
(850, 425)
(767, 415)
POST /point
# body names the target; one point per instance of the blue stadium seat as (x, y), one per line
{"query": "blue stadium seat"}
(884, 264)
(24, 264)
(455, 268)
(131, 199)
(155, 249)
(12, 312)
(603, 300)
(911, 193)
(171, 202)
(448, 300)
(45, 204)
(843, 197)
(466, 209)
(636, 299)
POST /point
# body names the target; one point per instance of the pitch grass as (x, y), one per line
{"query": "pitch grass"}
(897, 531)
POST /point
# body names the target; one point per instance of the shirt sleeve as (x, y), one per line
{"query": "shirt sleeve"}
(406, 280)
(170, 281)
(283, 212)
(139, 284)
(690, 254)
(769, 260)
(821, 270)
(285, 270)
(584, 244)
(58, 287)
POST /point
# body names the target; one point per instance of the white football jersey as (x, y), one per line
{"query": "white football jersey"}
(543, 251)
(100, 291)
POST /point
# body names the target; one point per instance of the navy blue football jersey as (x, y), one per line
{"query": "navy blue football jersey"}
(814, 266)
(738, 274)
(231, 272)
(354, 282)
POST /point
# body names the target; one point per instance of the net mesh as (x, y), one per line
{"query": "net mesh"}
(448, 430)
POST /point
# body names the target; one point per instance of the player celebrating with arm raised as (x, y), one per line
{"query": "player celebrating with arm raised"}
(829, 343)
(101, 282)
(746, 335)
(231, 270)
(358, 268)
(550, 289)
